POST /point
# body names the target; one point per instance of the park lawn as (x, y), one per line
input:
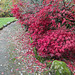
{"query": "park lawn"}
(6, 20)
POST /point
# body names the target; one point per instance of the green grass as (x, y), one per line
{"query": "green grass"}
(6, 20)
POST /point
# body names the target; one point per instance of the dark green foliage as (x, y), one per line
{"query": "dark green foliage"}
(41, 59)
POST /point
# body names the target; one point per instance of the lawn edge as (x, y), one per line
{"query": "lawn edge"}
(7, 25)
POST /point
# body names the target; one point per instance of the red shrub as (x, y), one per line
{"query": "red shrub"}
(51, 27)
(56, 43)
(45, 26)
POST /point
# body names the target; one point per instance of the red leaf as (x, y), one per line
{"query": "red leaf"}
(64, 20)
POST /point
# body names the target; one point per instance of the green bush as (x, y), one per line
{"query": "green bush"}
(60, 68)
(5, 8)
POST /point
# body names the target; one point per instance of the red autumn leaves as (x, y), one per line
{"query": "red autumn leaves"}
(48, 29)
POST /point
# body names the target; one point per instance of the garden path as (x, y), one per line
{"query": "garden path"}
(5, 34)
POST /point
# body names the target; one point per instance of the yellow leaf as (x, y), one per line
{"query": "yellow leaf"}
(19, 57)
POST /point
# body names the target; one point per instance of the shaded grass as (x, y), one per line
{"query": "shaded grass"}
(5, 20)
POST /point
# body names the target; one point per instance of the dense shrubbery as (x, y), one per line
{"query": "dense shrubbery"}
(6, 14)
(51, 26)
(5, 8)
(47, 25)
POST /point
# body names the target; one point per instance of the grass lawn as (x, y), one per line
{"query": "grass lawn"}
(6, 20)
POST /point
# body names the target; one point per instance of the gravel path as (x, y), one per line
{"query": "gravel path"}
(5, 34)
